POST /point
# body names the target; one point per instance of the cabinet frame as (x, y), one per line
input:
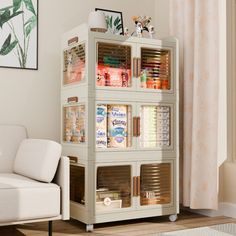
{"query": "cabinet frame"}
(91, 94)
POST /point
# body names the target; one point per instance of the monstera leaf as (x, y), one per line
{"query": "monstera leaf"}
(7, 46)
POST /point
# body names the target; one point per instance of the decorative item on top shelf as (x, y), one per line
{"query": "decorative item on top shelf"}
(142, 25)
(126, 31)
(19, 34)
(97, 21)
(151, 31)
(114, 21)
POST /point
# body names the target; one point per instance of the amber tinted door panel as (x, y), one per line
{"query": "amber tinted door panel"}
(113, 187)
(155, 184)
(77, 184)
(113, 65)
(155, 69)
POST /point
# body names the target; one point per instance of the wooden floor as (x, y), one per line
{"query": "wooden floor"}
(131, 228)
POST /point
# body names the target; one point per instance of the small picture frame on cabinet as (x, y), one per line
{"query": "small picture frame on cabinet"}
(114, 21)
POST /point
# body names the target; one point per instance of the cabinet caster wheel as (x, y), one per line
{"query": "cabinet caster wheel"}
(173, 218)
(89, 228)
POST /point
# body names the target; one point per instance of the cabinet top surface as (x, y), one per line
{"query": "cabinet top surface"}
(82, 31)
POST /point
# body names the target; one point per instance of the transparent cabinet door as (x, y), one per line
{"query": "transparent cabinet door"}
(155, 126)
(74, 124)
(155, 69)
(113, 65)
(113, 126)
(113, 189)
(74, 61)
(155, 184)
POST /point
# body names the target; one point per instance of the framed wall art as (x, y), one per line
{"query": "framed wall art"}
(114, 21)
(19, 34)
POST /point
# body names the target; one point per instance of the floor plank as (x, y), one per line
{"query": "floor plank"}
(138, 227)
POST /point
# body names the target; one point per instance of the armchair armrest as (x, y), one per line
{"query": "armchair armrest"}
(62, 178)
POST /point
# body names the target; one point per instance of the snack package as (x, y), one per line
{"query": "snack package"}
(114, 77)
(117, 126)
(101, 126)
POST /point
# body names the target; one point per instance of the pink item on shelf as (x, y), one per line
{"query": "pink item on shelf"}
(100, 78)
(113, 77)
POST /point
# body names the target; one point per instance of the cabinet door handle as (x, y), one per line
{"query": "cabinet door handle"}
(135, 186)
(134, 67)
(138, 185)
(73, 159)
(138, 126)
(135, 126)
(72, 99)
(138, 67)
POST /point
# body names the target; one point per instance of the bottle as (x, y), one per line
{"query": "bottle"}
(107, 77)
(143, 79)
(125, 78)
(165, 84)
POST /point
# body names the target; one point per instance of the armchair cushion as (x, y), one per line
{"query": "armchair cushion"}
(37, 159)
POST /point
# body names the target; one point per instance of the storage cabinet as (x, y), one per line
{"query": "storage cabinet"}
(119, 125)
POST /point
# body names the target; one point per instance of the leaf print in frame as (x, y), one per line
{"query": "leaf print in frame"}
(114, 21)
(19, 34)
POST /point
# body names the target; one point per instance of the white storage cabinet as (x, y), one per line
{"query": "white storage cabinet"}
(120, 104)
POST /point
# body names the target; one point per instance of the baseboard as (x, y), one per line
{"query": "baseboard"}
(229, 209)
(225, 209)
(210, 213)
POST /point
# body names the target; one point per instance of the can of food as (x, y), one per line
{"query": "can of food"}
(150, 83)
(158, 84)
(165, 84)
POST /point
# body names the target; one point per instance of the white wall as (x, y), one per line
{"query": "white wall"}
(32, 98)
(162, 18)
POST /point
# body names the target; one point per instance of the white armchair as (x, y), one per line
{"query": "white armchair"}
(34, 179)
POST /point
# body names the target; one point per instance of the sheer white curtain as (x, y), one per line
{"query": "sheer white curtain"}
(196, 24)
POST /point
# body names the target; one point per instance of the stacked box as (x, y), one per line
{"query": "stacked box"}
(101, 126)
(117, 126)
(148, 126)
(163, 126)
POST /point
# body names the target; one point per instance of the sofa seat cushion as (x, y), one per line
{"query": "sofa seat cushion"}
(22, 198)
(37, 159)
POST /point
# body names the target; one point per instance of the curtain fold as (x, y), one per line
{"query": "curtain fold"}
(196, 24)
